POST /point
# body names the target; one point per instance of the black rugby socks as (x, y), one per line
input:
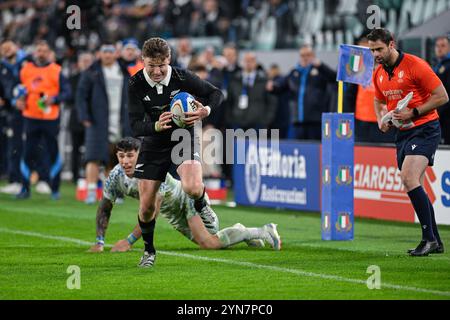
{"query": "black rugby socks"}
(148, 230)
(421, 204)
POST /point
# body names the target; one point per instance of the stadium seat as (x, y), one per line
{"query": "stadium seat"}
(417, 13)
(318, 15)
(319, 41)
(308, 38)
(340, 37)
(349, 37)
(309, 16)
(429, 10)
(347, 7)
(329, 40)
(391, 23)
(405, 13)
(441, 6)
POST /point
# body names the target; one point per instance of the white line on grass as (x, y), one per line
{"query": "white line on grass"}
(385, 253)
(238, 263)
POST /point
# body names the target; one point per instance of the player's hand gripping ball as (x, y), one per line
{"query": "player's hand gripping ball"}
(181, 103)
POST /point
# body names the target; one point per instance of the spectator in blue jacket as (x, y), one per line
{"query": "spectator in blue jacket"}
(12, 60)
(442, 69)
(307, 85)
(101, 105)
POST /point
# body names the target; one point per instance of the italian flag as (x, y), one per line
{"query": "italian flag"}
(344, 128)
(355, 62)
(327, 129)
(344, 174)
(344, 221)
(326, 175)
(326, 221)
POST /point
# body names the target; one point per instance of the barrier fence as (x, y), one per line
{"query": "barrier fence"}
(292, 179)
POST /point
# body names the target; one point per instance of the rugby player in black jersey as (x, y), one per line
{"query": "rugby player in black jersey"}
(150, 92)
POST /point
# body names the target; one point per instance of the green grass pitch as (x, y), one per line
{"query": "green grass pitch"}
(40, 239)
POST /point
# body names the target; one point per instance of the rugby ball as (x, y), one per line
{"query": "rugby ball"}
(181, 103)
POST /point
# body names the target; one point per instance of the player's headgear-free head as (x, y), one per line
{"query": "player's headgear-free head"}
(381, 34)
(156, 48)
(128, 144)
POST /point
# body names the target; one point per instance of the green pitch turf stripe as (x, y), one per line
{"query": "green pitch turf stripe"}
(238, 263)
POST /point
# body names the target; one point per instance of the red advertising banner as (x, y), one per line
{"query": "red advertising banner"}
(379, 192)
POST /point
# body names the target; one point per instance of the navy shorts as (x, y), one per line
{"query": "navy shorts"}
(422, 140)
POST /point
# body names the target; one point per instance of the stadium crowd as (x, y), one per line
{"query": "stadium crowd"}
(89, 71)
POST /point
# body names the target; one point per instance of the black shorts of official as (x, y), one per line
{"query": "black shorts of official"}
(153, 163)
(422, 140)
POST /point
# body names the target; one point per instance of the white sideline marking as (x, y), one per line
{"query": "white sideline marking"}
(385, 253)
(238, 263)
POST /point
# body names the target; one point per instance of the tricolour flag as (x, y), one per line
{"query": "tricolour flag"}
(327, 129)
(344, 174)
(343, 221)
(344, 128)
(326, 175)
(355, 65)
(326, 223)
(355, 62)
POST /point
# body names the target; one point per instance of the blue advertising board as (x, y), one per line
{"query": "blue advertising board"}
(284, 177)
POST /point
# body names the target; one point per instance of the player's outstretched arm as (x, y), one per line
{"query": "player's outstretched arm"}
(102, 221)
(126, 244)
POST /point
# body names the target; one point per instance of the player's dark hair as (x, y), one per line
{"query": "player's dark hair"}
(156, 48)
(198, 67)
(41, 43)
(380, 34)
(231, 45)
(128, 144)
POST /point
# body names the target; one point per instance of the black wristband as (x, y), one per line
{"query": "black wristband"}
(416, 112)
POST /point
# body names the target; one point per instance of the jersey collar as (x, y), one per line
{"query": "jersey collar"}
(390, 70)
(164, 82)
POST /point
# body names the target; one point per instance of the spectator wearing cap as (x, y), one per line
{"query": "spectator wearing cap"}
(101, 104)
(130, 55)
(442, 69)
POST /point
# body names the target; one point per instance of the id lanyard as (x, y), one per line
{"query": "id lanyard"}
(243, 99)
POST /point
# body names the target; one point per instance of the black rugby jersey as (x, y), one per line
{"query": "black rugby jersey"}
(145, 105)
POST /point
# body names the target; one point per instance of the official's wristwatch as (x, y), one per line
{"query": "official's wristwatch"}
(416, 112)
